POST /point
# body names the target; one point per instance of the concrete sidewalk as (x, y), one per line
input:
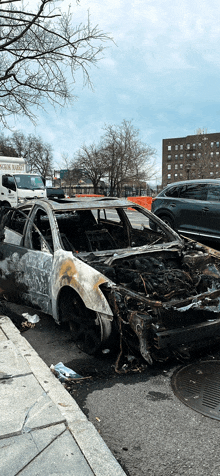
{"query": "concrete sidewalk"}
(43, 432)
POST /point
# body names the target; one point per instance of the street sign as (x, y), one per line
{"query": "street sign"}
(63, 173)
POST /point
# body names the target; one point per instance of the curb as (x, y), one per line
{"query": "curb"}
(94, 449)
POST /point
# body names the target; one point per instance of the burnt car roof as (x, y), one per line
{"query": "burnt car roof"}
(82, 203)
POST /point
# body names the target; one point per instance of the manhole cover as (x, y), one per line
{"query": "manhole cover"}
(198, 386)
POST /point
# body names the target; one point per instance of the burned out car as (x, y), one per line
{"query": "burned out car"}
(96, 264)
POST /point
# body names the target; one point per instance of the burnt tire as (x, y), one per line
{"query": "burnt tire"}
(89, 330)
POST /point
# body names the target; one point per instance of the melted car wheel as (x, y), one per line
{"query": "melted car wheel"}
(89, 329)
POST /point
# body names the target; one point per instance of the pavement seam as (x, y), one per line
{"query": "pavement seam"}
(41, 451)
(15, 376)
(32, 430)
(95, 451)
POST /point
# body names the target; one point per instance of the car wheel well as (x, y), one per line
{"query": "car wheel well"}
(66, 297)
(5, 204)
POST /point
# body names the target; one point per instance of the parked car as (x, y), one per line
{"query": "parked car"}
(191, 207)
(55, 192)
(97, 265)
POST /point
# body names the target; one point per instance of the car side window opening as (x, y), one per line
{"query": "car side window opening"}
(9, 182)
(142, 232)
(194, 192)
(13, 223)
(40, 233)
(73, 226)
(172, 192)
(213, 193)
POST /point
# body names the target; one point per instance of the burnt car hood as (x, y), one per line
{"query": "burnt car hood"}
(169, 294)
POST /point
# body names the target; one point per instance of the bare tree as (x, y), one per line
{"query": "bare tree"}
(40, 53)
(199, 156)
(91, 161)
(6, 147)
(201, 130)
(37, 153)
(69, 179)
(40, 156)
(127, 159)
(120, 159)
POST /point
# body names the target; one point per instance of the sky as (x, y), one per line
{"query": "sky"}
(162, 72)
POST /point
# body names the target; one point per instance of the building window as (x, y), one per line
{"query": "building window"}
(181, 166)
(181, 146)
(194, 146)
(194, 154)
(169, 147)
(200, 144)
(176, 156)
(217, 165)
(188, 155)
(217, 153)
(176, 147)
(211, 164)
(175, 175)
(176, 166)
(188, 146)
(211, 173)
(217, 144)
(169, 176)
(199, 155)
(212, 144)
(169, 167)
(181, 175)
(211, 153)
(169, 157)
(181, 156)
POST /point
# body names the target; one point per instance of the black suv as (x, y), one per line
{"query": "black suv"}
(191, 207)
(55, 193)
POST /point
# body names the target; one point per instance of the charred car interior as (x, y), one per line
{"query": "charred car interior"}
(96, 264)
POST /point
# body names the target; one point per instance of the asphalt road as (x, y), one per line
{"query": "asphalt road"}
(145, 425)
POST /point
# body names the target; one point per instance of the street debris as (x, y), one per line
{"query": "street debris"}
(25, 325)
(32, 319)
(64, 374)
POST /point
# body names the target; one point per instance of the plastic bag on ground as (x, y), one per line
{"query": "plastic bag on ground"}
(63, 373)
(33, 319)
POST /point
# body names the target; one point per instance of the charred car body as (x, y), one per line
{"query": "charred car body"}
(96, 264)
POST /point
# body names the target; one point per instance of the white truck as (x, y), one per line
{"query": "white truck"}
(16, 185)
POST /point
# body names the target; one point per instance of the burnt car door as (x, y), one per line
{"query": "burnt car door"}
(26, 259)
(39, 261)
(13, 254)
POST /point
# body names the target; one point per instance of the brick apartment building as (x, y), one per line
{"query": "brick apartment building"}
(191, 157)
